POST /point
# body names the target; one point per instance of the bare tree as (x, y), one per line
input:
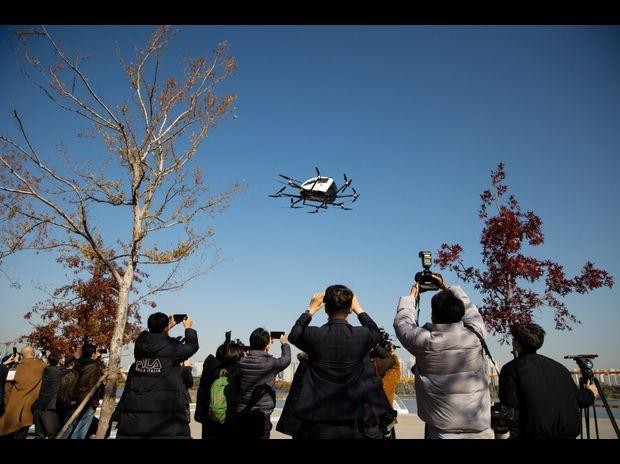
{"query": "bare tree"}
(146, 175)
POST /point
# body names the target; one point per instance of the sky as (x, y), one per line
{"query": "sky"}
(417, 117)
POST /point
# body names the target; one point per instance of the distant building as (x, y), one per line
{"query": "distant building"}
(197, 368)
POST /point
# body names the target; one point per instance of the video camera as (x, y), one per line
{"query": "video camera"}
(502, 417)
(425, 277)
(585, 365)
(386, 341)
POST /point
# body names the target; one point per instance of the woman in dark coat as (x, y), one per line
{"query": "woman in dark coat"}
(288, 424)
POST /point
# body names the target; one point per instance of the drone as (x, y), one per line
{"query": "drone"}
(317, 192)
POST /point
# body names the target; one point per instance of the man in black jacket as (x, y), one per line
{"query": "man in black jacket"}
(541, 390)
(340, 379)
(154, 402)
(46, 419)
(90, 372)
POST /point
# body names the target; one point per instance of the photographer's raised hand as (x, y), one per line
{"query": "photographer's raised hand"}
(316, 303)
(283, 339)
(171, 321)
(415, 290)
(187, 322)
(439, 279)
(355, 306)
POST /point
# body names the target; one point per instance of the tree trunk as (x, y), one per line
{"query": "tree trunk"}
(109, 395)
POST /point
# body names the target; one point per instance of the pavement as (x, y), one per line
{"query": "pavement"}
(410, 426)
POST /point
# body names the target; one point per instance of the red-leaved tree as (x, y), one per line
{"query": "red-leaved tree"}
(84, 310)
(508, 273)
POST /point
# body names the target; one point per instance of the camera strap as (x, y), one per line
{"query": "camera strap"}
(484, 345)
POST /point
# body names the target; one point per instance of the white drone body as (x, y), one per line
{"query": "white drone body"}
(322, 191)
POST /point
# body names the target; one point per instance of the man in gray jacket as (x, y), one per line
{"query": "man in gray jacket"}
(452, 388)
(257, 393)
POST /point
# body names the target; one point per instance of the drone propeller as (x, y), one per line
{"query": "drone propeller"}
(278, 193)
(318, 176)
(294, 182)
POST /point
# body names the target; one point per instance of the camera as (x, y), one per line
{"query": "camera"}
(425, 277)
(102, 351)
(585, 365)
(178, 318)
(502, 417)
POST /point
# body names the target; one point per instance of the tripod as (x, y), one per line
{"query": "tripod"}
(585, 365)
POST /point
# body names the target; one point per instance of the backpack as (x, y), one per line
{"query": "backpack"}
(222, 395)
(68, 382)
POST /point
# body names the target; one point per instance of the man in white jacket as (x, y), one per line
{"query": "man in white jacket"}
(452, 388)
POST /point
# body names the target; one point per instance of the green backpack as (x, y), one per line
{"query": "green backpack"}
(222, 396)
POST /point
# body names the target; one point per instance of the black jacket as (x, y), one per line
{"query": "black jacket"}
(545, 396)
(288, 423)
(90, 373)
(340, 377)
(257, 380)
(49, 388)
(154, 401)
(210, 372)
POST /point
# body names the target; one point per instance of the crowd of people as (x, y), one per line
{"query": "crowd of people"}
(344, 385)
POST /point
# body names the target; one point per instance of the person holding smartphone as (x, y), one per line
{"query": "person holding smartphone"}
(153, 404)
(257, 394)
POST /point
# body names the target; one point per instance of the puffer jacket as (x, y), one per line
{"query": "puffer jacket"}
(257, 380)
(154, 401)
(451, 385)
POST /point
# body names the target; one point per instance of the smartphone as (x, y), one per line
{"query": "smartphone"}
(276, 335)
(14, 351)
(103, 351)
(178, 318)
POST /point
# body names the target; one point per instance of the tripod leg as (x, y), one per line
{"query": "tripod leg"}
(595, 421)
(586, 412)
(612, 419)
(581, 421)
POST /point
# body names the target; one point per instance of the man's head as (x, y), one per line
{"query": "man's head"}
(28, 352)
(446, 308)
(88, 350)
(338, 299)
(260, 339)
(158, 322)
(527, 338)
(54, 357)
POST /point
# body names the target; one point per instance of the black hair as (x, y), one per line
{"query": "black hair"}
(69, 359)
(447, 308)
(529, 336)
(157, 322)
(259, 339)
(338, 299)
(54, 357)
(88, 350)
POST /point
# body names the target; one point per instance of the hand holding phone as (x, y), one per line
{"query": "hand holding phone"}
(178, 318)
(276, 335)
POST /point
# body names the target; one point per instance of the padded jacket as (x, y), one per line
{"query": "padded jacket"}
(154, 404)
(452, 387)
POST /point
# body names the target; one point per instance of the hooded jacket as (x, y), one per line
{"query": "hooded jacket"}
(451, 385)
(154, 401)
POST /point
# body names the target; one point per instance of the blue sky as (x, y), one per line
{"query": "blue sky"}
(417, 116)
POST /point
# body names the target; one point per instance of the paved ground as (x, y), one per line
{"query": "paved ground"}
(410, 426)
